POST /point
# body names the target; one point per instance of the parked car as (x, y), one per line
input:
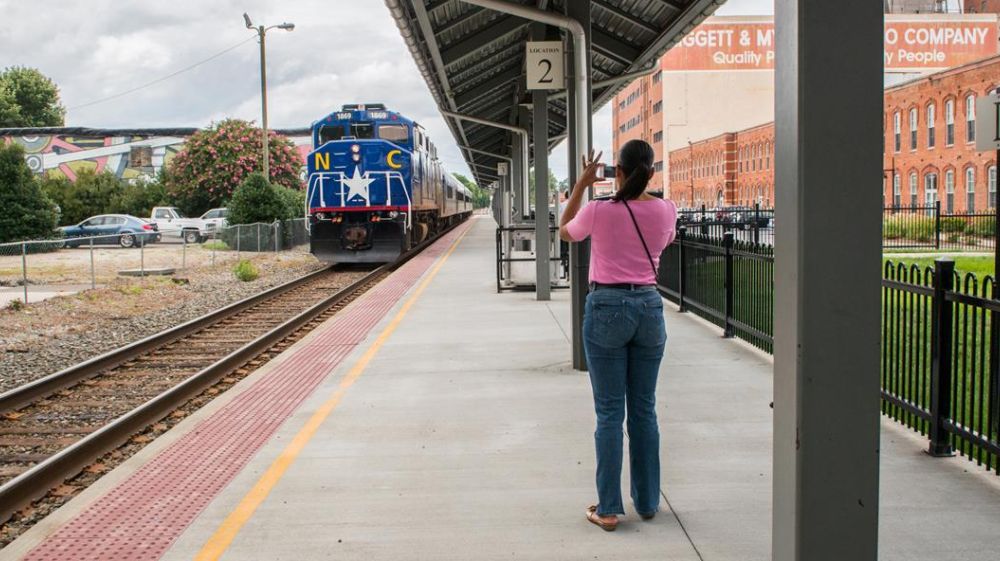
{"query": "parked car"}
(121, 229)
(170, 220)
(215, 220)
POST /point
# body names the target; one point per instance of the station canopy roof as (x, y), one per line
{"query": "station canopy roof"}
(472, 58)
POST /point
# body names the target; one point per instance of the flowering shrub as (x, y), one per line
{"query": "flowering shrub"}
(216, 160)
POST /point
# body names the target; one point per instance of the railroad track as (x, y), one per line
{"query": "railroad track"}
(54, 427)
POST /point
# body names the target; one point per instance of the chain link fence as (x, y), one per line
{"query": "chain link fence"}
(33, 270)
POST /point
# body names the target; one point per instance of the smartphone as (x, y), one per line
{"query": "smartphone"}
(606, 172)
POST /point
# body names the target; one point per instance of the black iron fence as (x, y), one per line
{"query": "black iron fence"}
(940, 351)
(940, 358)
(930, 227)
(727, 281)
(748, 224)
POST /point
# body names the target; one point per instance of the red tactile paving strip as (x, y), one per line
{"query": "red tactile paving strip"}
(141, 517)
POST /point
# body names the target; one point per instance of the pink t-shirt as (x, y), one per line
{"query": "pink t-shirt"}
(616, 252)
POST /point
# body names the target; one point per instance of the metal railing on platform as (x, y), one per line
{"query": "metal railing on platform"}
(515, 251)
(940, 369)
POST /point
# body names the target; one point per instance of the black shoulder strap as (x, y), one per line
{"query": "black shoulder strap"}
(641, 238)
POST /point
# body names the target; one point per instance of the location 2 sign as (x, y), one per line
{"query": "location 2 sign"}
(544, 64)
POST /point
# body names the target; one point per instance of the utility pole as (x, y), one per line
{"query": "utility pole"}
(262, 35)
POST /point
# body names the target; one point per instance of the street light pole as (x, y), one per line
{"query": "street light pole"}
(262, 36)
(262, 33)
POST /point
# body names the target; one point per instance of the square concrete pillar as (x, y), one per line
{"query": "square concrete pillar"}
(828, 161)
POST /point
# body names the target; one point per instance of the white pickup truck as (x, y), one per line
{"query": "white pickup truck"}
(172, 222)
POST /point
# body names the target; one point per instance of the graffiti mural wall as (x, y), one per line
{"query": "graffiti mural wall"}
(129, 154)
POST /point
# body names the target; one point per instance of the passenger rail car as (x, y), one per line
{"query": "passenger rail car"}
(376, 187)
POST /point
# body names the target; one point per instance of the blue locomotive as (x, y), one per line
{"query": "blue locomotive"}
(376, 187)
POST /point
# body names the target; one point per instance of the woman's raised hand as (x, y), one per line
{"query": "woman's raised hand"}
(591, 165)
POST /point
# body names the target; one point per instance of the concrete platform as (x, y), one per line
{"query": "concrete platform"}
(456, 429)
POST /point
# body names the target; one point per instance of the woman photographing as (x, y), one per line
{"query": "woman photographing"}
(623, 328)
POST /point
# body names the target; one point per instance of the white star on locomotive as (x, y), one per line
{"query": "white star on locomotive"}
(357, 185)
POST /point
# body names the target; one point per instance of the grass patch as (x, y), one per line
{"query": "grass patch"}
(215, 245)
(246, 271)
(979, 265)
(130, 290)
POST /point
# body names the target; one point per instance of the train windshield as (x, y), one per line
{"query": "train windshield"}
(362, 130)
(330, 132)
(399, 134)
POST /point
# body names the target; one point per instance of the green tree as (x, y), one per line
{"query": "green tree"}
(480, 196)
(294, 201)
(91, 193)
(553, 186)
(256, 200)
(25, 211)
(28, 98)
(215, 161)
(139, 198)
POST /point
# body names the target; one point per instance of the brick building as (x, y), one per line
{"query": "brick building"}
(721, 79)
(638, 114)
(733, 168)
(982, 6)
(929, 151)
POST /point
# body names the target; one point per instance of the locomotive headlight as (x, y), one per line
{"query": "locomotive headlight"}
(355, 148)
(356, 157)
(320, 216)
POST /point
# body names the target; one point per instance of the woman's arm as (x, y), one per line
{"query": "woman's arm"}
(587, 178)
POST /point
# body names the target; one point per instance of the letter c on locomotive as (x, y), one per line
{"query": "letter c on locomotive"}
(389, 159)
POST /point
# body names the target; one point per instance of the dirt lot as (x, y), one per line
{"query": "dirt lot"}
(73, 266)
(46, 336)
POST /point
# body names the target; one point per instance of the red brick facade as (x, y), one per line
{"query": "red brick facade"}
(932, 160)
(982, 6)
(931, 155)
(733, 168)
(638, 113)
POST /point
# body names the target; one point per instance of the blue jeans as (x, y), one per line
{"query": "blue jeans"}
(624, 335)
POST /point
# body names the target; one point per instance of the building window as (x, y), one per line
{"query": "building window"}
(657, 77)
(970, 118)
(896, 130)
(658, 166)
(897, 191)
(931, 114)
(930, 190)
(992, 181)
(913, 190)
(949, 122)
(970, 190)
(658, 136)
(949, 190)
(913, 128)
(657, 107)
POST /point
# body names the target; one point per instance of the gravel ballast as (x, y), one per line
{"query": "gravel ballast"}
(48, 336)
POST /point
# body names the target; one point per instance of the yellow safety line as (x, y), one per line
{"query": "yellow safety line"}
(226, 533)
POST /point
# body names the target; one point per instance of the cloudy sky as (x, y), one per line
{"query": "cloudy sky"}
(341, 51)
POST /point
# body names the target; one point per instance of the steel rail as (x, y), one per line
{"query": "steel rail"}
(23, 395)
(38, 480)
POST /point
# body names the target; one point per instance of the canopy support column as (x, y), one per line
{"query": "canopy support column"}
(828, 108)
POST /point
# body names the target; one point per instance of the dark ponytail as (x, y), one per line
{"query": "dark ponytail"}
(635, 159)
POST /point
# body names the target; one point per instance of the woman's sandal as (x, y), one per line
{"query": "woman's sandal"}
(595, 519)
